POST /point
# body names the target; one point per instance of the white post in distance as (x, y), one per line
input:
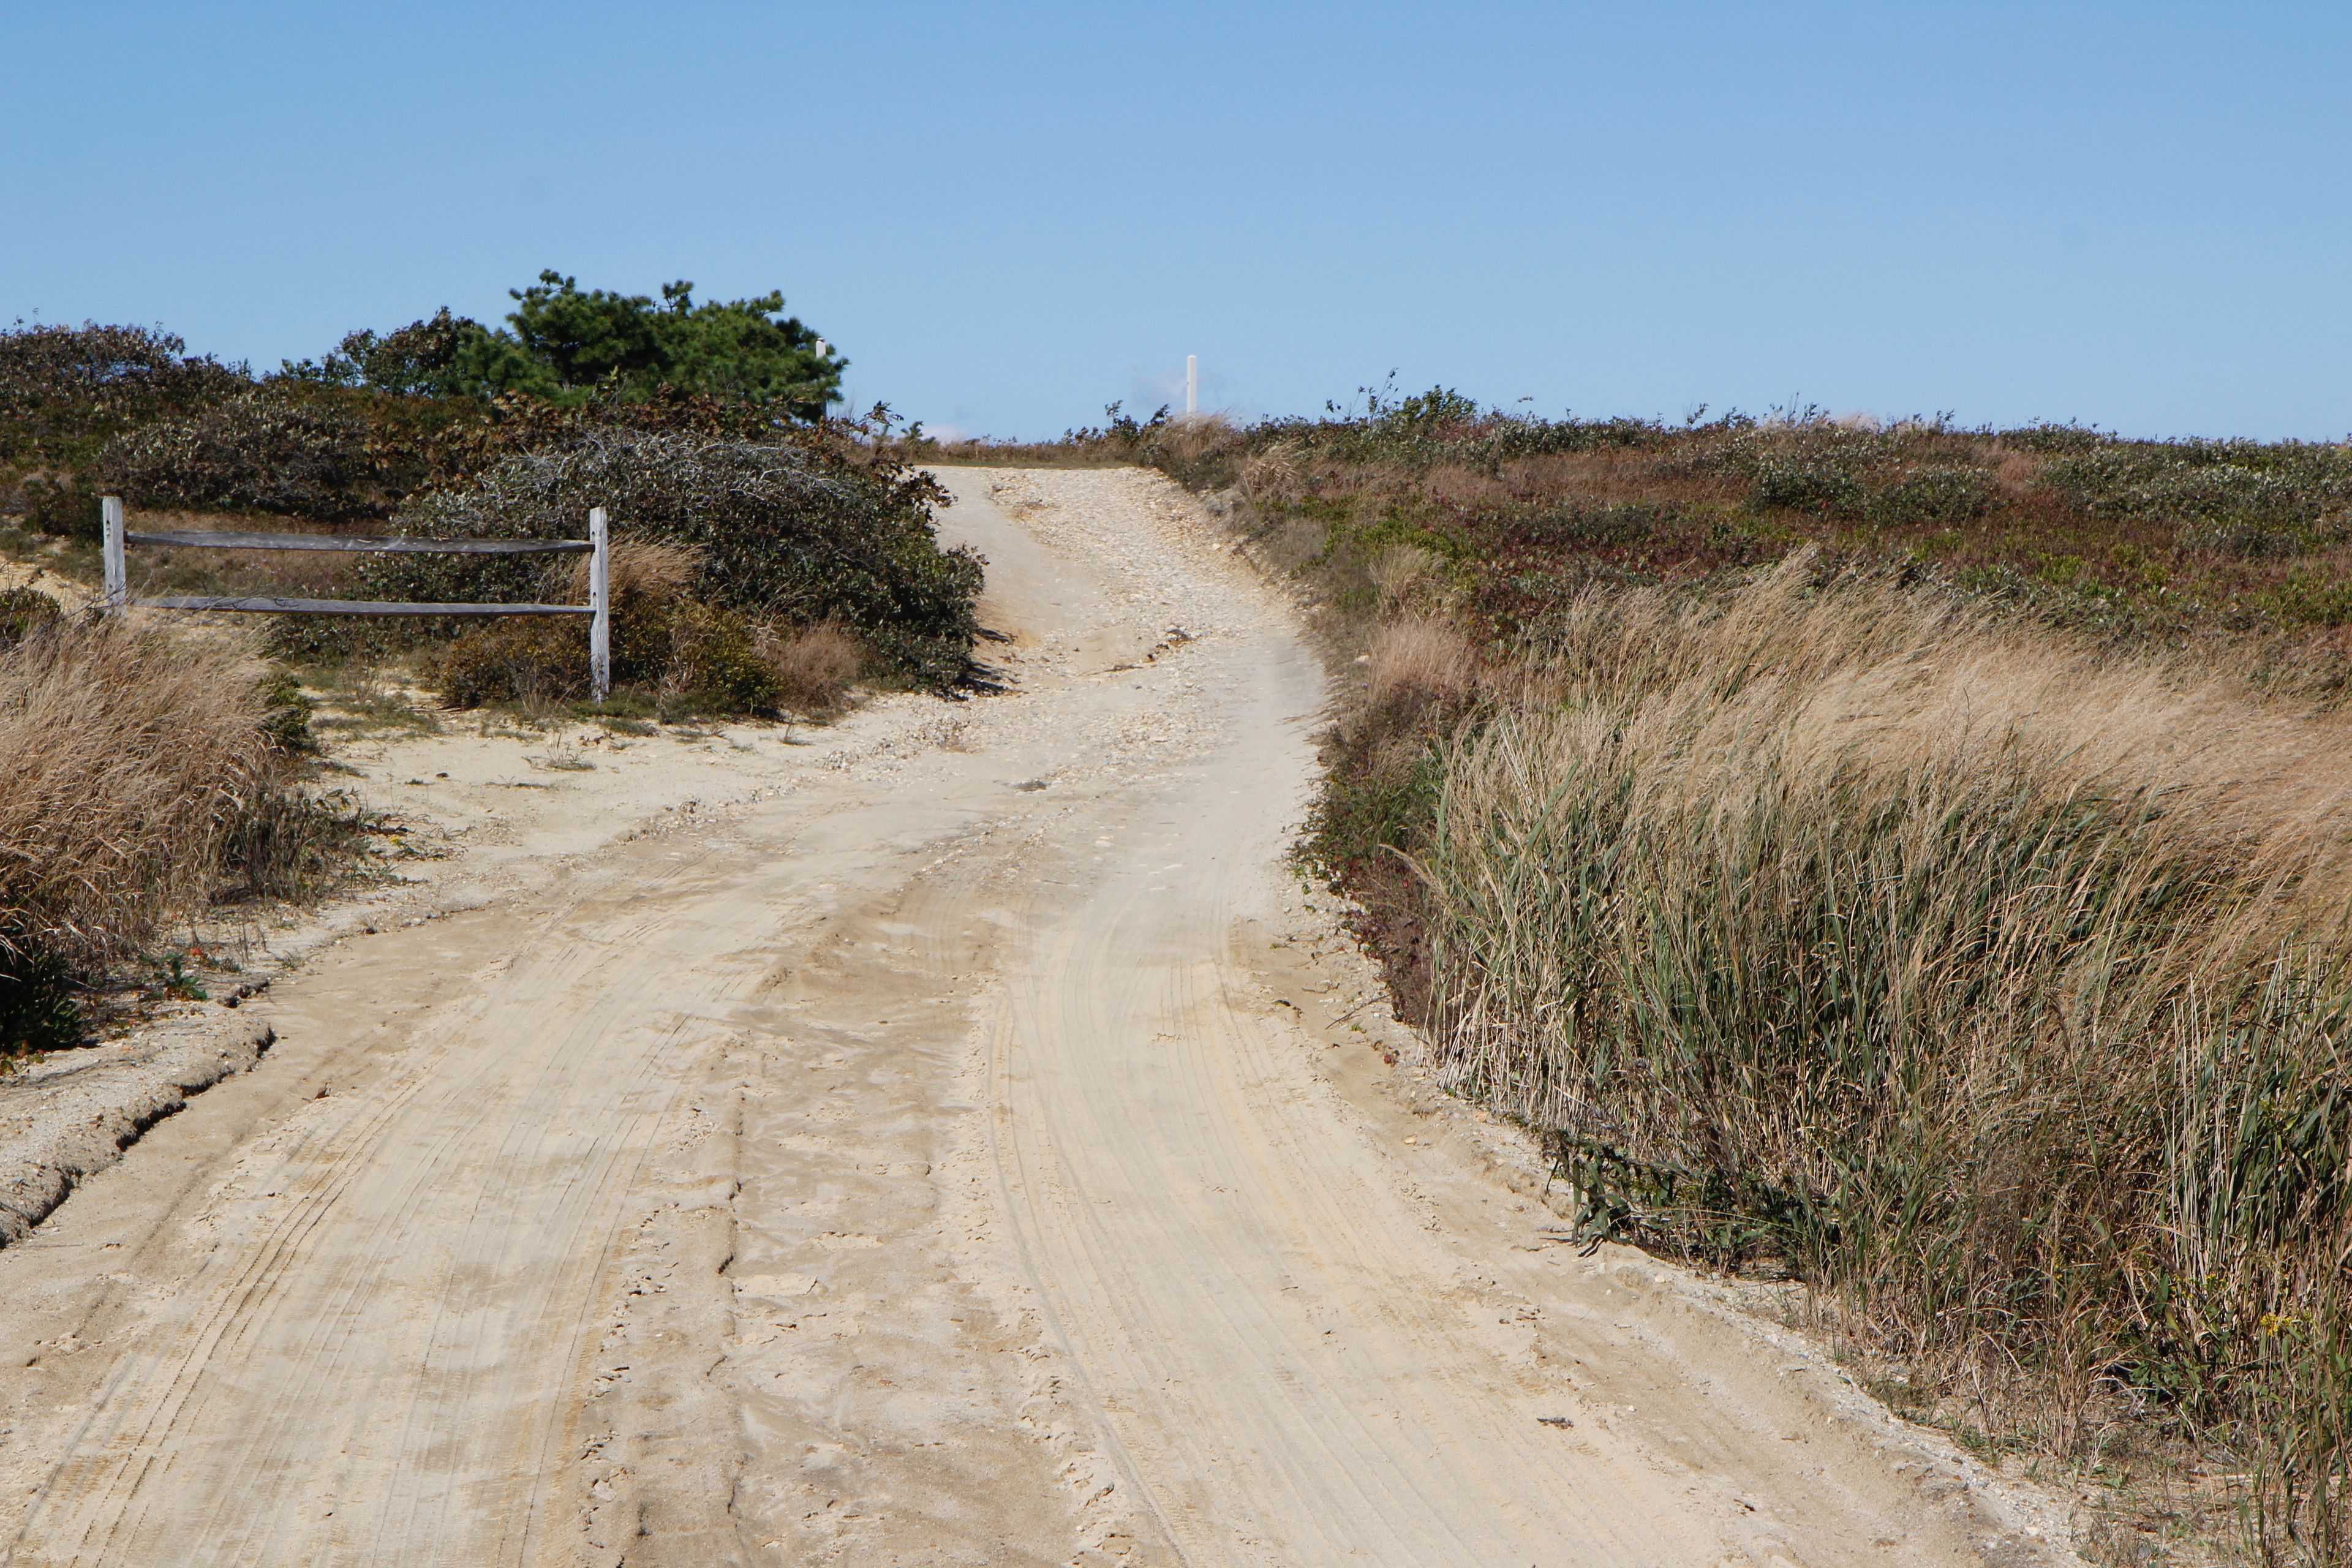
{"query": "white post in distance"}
(600, 602)
(118, 576)
(1192, 383)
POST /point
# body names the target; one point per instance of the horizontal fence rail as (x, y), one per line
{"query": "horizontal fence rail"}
(596, 547)
(209, 540)
(248, 605)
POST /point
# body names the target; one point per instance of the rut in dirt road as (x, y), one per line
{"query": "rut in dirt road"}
(928, 1163)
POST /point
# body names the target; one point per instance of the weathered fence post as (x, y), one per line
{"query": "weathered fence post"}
(118, 575)
(600, 603)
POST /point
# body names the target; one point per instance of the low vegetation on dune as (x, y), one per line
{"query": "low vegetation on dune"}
(697, 423)
(1912, 860)
(2111, 536)
(768, 558)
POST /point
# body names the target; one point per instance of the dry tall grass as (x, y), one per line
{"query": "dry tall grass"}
(815, 665)
(2003, 988)
(127, 762)
(646, 571)
(1416, 659)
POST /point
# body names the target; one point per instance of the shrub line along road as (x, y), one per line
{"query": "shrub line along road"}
(928, 1166)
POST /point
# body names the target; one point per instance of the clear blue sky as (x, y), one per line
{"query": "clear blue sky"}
(2139, 216)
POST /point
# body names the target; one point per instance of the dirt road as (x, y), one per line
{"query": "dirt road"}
(961, 1157)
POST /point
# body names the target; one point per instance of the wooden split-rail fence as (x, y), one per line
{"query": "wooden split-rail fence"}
(597, 547)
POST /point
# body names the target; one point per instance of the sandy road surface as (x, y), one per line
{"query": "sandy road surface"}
(962, 1155)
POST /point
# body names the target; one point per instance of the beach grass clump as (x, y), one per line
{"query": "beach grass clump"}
(144, 777)
(2000, 984)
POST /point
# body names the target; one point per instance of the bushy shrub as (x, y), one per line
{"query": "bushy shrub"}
(1932, 494)
(1597, 525)
(519, 660)
(61, 509)
(2245, 539)
(568, 345)
(2313, 598)
(691, 658)
(66, 391)
(268, 449)
(715, 661)
(2055, 439)
(1806, 483)
(23, 613)
(443, 355)
(2283, 483)
(802, 530)
(647, 578)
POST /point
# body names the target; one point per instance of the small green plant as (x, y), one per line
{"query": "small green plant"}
(287, 710)
(625, 712)
(563, 757)
(39, 1007)
(174, 979)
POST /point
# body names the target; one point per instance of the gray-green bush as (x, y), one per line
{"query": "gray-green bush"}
(781, 530)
